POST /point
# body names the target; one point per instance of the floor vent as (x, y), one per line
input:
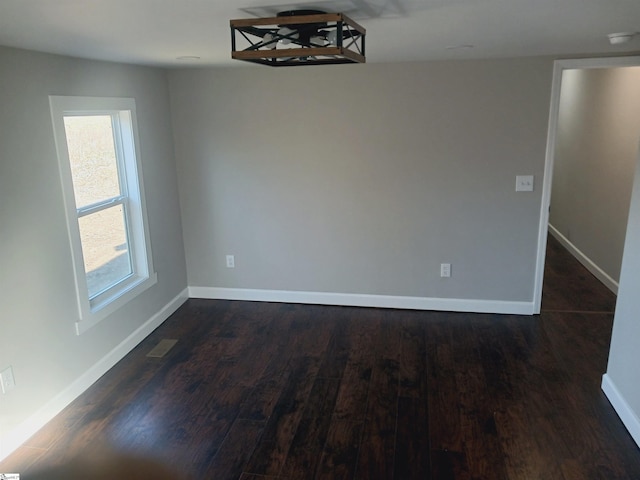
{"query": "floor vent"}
(161, 349)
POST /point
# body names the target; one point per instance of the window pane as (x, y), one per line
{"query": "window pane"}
(107, 259)
(92, 155)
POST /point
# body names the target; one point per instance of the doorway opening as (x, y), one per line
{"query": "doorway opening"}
(591, 154)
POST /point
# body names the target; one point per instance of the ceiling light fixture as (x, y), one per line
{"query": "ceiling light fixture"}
(298, 37)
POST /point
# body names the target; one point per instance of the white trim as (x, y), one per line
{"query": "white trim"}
(600, 274)
(10, 441)
(558, 67)
(622, 408)
(364, 300)
(599, 62)
(546, 185)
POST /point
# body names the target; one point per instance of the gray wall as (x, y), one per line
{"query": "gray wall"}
(624, 356)
(595, 159)
(353, 179)
(363, 179)
(37, 295)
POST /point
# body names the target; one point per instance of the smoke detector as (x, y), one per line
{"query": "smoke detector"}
(621, 37)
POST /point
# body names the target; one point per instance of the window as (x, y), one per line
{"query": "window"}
(102, 185)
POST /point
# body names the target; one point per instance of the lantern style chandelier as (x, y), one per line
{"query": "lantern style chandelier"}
(298, 37)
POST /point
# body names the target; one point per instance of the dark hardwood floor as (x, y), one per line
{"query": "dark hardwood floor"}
(569, 287)
(258, 391)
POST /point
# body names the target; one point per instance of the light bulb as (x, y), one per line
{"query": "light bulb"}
(284, 31)
(268, 39)
(317, 41)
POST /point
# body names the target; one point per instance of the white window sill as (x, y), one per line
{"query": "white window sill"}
(94, 314)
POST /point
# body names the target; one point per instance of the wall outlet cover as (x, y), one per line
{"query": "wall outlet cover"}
(7, 381)
(445, 270)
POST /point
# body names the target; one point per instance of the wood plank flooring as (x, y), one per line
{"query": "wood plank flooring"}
(265, 391)
(570, 287)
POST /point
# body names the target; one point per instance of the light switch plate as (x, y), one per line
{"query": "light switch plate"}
(524, 183)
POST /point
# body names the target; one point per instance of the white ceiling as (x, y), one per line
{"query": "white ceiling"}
(156, 32)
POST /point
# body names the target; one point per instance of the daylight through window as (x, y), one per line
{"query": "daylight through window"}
(100, 200)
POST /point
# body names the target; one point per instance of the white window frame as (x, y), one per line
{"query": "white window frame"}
(123, 112)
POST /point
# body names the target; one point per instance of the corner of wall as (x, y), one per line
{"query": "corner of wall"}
(10, 441)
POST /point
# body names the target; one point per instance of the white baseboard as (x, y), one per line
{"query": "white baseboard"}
(622, 408)
(10, 441)
(363, 300)
(600, 274)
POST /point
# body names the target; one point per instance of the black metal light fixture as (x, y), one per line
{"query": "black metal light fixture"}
(298, 37)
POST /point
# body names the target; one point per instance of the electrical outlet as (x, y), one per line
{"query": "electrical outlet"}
(445, 270)
(7, 381)
(231, 261)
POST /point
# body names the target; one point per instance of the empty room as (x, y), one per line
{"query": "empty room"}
(359, 239)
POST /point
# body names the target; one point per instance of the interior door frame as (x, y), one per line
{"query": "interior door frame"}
(559, 66)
